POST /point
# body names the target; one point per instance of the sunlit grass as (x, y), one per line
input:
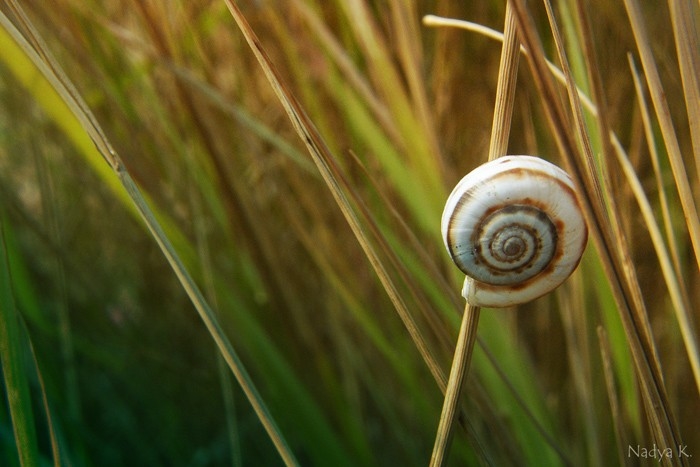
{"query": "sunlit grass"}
(316, 262)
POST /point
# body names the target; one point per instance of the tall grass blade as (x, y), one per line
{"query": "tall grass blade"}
(19, 62)
(664, 203)
(41, 58)
(485, 31)
(209, 286)
(327, 273)
(659, 413)
(418, 148)
(505, 88)
(663, 115)
(53, 435)
(411, 54)
(685, 34)
(680, 300)
(324, 161)
(611, 216)
(24, 294)
(500, 131)
(352, 75)
(13, 353)
(609, 373)
(458, 373)
(667, 260)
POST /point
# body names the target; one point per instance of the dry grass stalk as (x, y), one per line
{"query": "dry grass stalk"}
(663, 115)
(675, 282)
(204, 120)
(651, 381)
(669, 262)
(43, 59)
(338, 187)
(620, 435)
(500, 131)
(688, 50)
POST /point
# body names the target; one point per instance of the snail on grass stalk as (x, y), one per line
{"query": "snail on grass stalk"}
(515, 227)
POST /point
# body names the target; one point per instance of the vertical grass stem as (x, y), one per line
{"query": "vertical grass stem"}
(458, 372)
(500, 131)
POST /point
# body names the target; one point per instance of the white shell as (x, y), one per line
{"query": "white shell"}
(515, 228)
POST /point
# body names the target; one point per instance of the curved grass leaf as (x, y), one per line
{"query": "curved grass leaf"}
(71, 100)
(13, 355)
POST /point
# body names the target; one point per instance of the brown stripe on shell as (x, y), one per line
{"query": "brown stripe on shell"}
(515, 172)
(554, 233)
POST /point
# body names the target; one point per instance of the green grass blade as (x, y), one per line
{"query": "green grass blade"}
(324, 161)
(327, 273)
(70, 96)
(13, 354)
(15, 58)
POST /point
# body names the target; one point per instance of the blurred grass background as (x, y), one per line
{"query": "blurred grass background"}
(116, 367)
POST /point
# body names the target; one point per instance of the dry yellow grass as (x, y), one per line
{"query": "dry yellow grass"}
(296, 174)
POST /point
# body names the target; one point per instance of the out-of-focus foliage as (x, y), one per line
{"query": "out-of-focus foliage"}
(120, 369)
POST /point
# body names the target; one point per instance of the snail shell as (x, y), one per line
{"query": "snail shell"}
(515, 227)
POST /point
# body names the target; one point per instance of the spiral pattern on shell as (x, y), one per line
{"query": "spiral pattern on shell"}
(514, 226)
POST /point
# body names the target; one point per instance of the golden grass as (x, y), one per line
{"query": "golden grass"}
(498, 147)
(343, 310)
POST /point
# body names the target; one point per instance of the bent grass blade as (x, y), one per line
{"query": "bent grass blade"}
(41, 60)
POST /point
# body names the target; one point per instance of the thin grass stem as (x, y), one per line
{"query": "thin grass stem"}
(611, 216)
(458, 373)
(338, 186)
(680, 300)
(500, 132)
(438, 21)
(663, 114)
(653, 390)
(12, 365)
(673, 281)
(43, 60)
(53, 439)
(211, 322)
(505, 88)
(609, 374)
(688, 51)
(654, 156)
